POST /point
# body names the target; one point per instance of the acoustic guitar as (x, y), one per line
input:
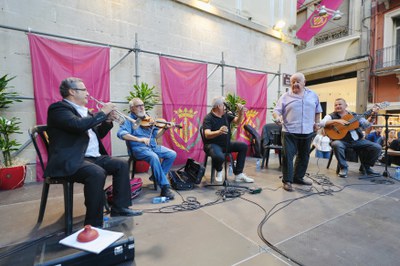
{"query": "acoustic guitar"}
(337, 131)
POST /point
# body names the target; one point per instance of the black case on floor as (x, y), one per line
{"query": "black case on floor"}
(53, 253)
(187, 176)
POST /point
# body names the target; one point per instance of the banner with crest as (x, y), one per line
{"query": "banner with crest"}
(184, 97)
(52, 61)
(253, 88)
(315, 23)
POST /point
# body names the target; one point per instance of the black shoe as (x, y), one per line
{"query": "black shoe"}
(343, 172)
(287, 186)
(151, 178)
(361, 170)
(166, 192)
(118, 211)
(369, 171)
(301, 181)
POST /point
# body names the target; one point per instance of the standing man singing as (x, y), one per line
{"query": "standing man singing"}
(75, 151)
(298, 112)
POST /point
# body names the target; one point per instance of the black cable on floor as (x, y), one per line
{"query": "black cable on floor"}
(327, 188)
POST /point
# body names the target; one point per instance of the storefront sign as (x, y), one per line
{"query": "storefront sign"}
(286, 79)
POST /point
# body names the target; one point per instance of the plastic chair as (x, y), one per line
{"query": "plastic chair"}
(68, 185)
(271, 139)
(227, 157)
(132, 163)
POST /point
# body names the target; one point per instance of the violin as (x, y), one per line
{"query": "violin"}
(148, 121)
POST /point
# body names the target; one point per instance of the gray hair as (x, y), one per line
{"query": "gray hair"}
(67, 84)
(217, 101)
(133, 102)
(298, 75)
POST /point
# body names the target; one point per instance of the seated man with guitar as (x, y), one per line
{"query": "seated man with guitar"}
(344, 128)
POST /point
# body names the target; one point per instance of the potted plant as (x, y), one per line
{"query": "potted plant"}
(150, 98)
(145, 93)
(12, 172)
(232, 100)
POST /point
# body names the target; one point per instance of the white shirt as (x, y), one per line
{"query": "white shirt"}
(93, 146)
(321, 143)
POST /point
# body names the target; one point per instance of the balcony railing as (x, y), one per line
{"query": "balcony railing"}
(326, 36)
(331, 35)
(388, 57)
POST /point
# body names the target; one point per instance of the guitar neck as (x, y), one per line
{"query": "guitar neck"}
(357, 117)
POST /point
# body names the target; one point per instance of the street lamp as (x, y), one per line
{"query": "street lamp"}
(323, 11)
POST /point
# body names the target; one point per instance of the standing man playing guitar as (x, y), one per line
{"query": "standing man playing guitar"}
(346, 132)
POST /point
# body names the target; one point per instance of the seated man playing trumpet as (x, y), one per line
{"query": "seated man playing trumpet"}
(76, 151)
(143, 144)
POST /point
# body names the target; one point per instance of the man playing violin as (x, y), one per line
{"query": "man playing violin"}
(76, 151)
(143, 144)
(368, 151)
(215, 126)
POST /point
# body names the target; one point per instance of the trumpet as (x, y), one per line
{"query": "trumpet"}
(121, 116)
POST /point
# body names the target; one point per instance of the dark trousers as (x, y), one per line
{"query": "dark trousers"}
(295, 145)
(217, 154)
(92, 174)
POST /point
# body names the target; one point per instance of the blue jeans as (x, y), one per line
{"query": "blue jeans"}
(322, 154)
(368, 151)
(153, 156)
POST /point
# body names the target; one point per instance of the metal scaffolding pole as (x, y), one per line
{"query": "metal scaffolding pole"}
(137, 51)
(222, 73)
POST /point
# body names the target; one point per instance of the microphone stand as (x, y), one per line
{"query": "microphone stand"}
(226, 183)
(386, 116)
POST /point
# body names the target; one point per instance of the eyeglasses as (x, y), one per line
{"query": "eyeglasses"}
(139, 105)
(77, 89)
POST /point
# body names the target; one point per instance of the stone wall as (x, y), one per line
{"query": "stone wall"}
(162, 26)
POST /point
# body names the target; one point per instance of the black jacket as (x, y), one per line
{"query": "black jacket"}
(69, 139)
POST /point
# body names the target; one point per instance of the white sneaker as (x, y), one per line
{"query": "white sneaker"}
(243, 178)
(218, 177)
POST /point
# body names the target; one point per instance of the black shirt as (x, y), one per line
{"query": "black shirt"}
(395, 145)
(213, 122)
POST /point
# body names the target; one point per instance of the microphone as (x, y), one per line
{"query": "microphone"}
(229, 109)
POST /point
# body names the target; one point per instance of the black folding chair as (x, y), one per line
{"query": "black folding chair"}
(255, 141)
(271, 140)
(68, 185)
(350, 155)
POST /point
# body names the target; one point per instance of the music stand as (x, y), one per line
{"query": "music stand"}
(386, 116)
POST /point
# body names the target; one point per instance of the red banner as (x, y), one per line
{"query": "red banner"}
(300, 3)
(315, 23)
(52, 61)
(184, 97)
(253, 88)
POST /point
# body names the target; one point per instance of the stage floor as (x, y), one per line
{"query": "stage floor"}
(337, 221)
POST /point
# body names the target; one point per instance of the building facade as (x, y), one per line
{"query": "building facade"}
(385, 56)
(336, 60)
